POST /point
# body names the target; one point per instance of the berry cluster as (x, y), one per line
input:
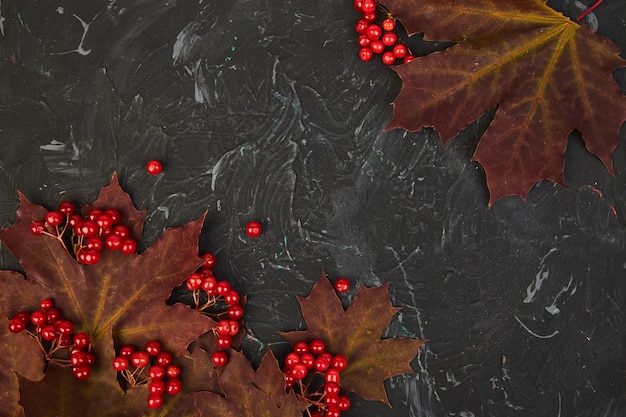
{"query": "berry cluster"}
(89, 234)
(152, 366)
(311, 363)
(56, 338)
(379, 39)
(219, 301)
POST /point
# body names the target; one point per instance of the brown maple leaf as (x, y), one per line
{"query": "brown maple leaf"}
(123, 295)
(546, 74)
(356, 333)
(248, 393)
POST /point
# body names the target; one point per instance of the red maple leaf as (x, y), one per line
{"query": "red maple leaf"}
(546, 74)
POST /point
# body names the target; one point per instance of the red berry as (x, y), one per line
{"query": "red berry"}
(291, 359)
(93, 242)
(370, 17)
(219, 358)
(222, 287)
(129, 246)
(156, 372)
(321, 364)
(209, 285)
(332, 412)
(332, 388)
(155, 401)
(90, 358)
(93, 214)
(114, 215)
(364, 41)
(154, 167)
(373, 31)
(172, 371)
(67, 207)
(224, 341)
(299, 371)
(388, 24)
(153, 348)
(194, 282)
(254, 229)
(209, 260)
(88, 256)
(53, 315)
(388, 58)
(164, 359)
(339, 362)
(377, 47)
(235, 312)
(361, 25)
(358, 5)
(55, 218)
(157, 386)
(289, 381)
(64, 341)
(408, 59)
(331, 400)
(308, 360)
(231, 297)
(75, 220)
(120, 363)
(39, 317)
(113, 242)
(233, 327)
(17, 325)
(389, 38)
(37, 227)
(127, 351)
(368, 6)
(48, 332)
(104, 221)
(78, 358)
(173, 386)
(317, 346)
(82, 373)
(366, 54)
(400, 50)
(223, 327)
(87, 228)
(120, 230)
(344, 403)
(332, 375)
(140, 359)
(46, 304)
(23, 315)
(81, 340)
(301, 347)
(342, 285)
(64, 327)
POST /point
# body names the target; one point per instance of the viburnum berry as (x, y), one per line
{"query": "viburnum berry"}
(87, 228)
(339, 362)
(155, 401)
(321, 364)
(156, 372)
(82, 373)
(219, 358)
(53, 315)
(408, 59)
(164, 359)
(46, 304)
(48, 332)
(37, 228)
(93, 243)
(235, 312)
(331, 400)
(114, 215)
(400, 50)
(104, 221)
(388, 24)
(363, 41)
(358, 5)
(332, 412)
(157, 386)
(172, 371)
(209, 260)
(366, 54)
(194, 282)
(173, 386)
(332, 375)
(222, 287)
(231, 297)
(254, 229)
(113, 242)
(317, 346)
(88, 256)
(74, 220)
(291, 359)
(301, 347)
(93, 214)
(361, 25)
(377, 47)
(67, 207)
(78, 358)
(154, 167)
(368, 6)
(55, 218)
(342, 285)
(388, 58)
(129, 246)
(17, 325)
(370, 17)
(299, 371)
(120, 363)
(120, 230)
(153, 348)
(344, 403)
(209, 285)
(308, 360)
(127, 351)
(223, 327)
(64, 327)
(332, 388)
(224, 341)
(389, 39)
(140, 359)
(38, 317)
(374, 31)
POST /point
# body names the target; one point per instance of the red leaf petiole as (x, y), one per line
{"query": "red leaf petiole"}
(589, 10)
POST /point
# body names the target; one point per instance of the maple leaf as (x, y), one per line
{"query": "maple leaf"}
(122, 297)
(356, 333)
(546, 74)
(248, 393)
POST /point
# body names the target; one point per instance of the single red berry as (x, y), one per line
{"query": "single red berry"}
(78, 358)
(339, 362)
(164, 359)
(389, 39)
(358, 5)
(93, 214)
(39, 317)
(114, 215)
(232, 297)
(366, 54)
(82, 373)
(153, 348)
(75, 220)
(368, 6)
(308, 360)
(172, 371)
(46, 304)
(219, 358)
(104, 221)
(48, 332)
(361, 25)
(222, 287)
(64, 327)
(87, 228)
(301, 347)
(344, 403)
(156, 372)
(81, 340)
(90, 358)
(332, 412)
(53, 315)
(209, 285)
(370, 17)
(317, 346)
(289, 381)
(254, 229)
(209, 260)
(55, 218)
(363, 41)
(377, 47)
(23, 315)
(154, 167)
(321, 364)
(342, 285)
(400, 50)
(157, 386)
(17, 325)
(120, 363)
(408, 59)
(332, 375)
(388, 24)
(129, 246)
(299, 371)
(88, 256)
(120, 230)
(194, 282)
(223, 327)
(93, 242)
(127, 351)
(173, 386)
(155, 401)
(113, 242)
(374, 31)
(291, 359)
(140, 359)
(235, 312)
(332, 388)
(388, 58)
(67, 207)
(233, 327)
(224, 341)
(37, 227)
(331, 400)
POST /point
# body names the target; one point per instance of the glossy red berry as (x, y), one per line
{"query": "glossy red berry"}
(155, 401)
(194, 282)
(81, 340)
(366, 54)
(153, 348)
(78, 358)
(219, 358)
(172, 371)
(173, 386)
(224, 341)
(332, 388)
(233, 327)
(48, 332)
(127, 351)
(331, 400)
(140, 359)
(104, 221)
(377, 47)
(291, 359)
(154, 167)
(299, 371)
(254, 229)
(164, 359)
(321, 364)
(223, 328)
(39, 317)
(46, 304)
(388, 58)
(55, 218)
(361, 25)
(120, 363)
(93, 214)
(17, 325)
(388, 24)
(157, 386)
(370, 17)
(209, 260)
(88, 256)
(37, 227)
(374, 31)
(408, 59)
(129, 246)
(339, 362)
(93, 242)
(82, 373)
(301, 347)
(332, 412)
(308, 360)
(67, 207)
(363, 41)
(64, 327)
(358, 5)
(389, 38)
(75, 220)
(113, 242)
(231, 297)
(331, 375)
(209, 285)
(114, 215)
(53, 315)
(87, 228)
(156, 372)
(344, 403)
(317, 346)
(235, 312)
(222, 287)
(90, 358)
(368, 6)
(342, 285)
(120, 230)
(400, 50)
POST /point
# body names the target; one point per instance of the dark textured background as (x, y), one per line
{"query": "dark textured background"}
(261, 110)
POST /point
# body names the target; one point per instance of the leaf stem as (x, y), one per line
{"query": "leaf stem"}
(589, 10)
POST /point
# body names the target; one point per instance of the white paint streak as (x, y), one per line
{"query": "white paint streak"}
(542, 275)
(80, 49)
(535, 334)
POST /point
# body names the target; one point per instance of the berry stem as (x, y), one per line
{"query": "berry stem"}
(589, 10)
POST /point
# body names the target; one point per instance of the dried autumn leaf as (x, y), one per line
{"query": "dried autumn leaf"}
(356, 333)
(248, 393)
(123, 296)
(546, 74)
